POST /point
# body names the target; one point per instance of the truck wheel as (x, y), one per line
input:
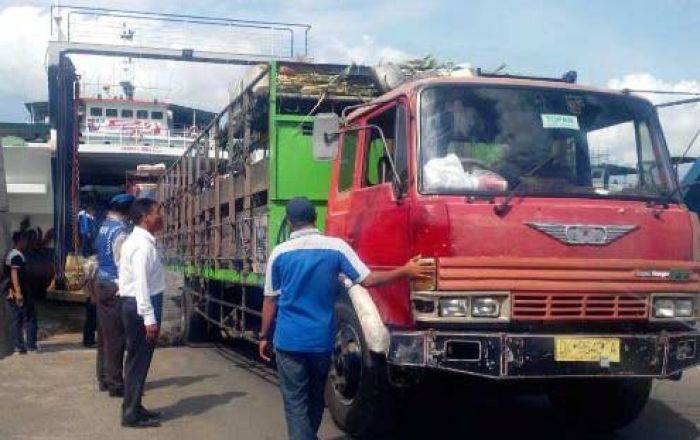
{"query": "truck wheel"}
(600, 405)
(357, 391)
(193, 327)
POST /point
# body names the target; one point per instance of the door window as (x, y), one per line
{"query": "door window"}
(347, 160)
(377, 166)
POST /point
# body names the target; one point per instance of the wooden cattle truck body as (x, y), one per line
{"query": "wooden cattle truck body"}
(224, 199)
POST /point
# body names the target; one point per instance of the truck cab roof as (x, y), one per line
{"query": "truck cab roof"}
(412, 87)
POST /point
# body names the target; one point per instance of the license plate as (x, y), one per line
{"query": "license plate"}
(586, 349)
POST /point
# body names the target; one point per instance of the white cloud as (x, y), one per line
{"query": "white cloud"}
(679, 123)
(24, 32)
(364, 51)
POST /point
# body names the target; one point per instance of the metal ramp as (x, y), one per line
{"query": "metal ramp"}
(79, 30)
(136, 34)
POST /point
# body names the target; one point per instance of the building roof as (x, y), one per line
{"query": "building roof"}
(28, 131)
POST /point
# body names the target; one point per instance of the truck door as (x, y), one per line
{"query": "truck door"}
(377, 222)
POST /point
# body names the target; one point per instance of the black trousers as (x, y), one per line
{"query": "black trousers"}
(111, 341)
(90, 325)
(138, 360)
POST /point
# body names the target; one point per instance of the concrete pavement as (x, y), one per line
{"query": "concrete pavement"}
(209, 393)
(202, 394)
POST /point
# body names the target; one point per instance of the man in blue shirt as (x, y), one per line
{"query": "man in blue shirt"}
(86, 230)
(111, 341)
(301, 287)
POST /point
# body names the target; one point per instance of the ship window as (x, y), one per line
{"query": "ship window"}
(127, 113)
(111, 112)
(95, 111)
(156, 115)
(141, 114)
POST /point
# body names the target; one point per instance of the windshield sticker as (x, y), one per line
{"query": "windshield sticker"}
(567, 122)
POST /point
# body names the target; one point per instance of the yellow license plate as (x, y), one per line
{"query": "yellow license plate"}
(586, 349)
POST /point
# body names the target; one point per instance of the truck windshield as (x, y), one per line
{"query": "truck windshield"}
(476, 139)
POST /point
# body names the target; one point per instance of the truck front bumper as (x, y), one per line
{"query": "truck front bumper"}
(509, 355)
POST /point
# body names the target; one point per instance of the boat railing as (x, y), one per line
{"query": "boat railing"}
(176, 138)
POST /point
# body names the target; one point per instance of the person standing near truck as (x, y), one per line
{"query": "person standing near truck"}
(20, 301)
(111, 340)
(301, 287)
(86, 230)
(141, 287)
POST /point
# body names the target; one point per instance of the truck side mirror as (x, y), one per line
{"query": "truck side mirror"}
(325, 136)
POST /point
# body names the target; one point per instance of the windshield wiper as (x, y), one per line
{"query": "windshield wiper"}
(504, 207)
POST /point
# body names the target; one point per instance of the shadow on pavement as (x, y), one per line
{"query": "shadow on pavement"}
(196, 405)
(447, 410)
(53, 347)
(244, 355)
(448, 407)
(179, 381)
(660, 421)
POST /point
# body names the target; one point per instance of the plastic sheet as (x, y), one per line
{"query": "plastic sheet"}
(447, 173)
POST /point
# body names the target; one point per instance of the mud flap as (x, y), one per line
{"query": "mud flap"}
(375, 333)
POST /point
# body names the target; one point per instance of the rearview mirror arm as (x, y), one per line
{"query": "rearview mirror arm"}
(395, 175)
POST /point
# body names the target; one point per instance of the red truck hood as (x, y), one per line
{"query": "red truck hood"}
(474, 230)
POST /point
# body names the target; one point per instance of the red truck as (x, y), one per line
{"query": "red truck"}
(564, 255)
(545, 272)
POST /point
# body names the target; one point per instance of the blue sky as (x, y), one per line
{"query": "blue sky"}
(600, 39)
(623, 43)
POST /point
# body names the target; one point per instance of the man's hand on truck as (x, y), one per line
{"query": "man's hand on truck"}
(415, 268)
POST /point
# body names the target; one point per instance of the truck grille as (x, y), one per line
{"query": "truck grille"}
(589, 306)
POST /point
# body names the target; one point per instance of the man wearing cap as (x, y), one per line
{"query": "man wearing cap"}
(111, 340)
(301, 286)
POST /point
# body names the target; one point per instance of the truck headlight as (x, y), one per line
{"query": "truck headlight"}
(673, 307)
(484, 307)
(684, 308)
(663, 308)
(454, 307)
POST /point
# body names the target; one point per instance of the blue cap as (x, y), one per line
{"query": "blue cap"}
(300, 210)
(122, 199)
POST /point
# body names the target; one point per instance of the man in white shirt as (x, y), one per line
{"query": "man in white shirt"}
(141, 286)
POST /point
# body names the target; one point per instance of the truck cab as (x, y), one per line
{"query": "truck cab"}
(563, 250)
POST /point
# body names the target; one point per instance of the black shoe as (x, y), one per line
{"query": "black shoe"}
(141, 423)
(103, 387)
(149, 414)
(116, 392)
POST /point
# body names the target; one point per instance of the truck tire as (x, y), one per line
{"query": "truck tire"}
(357, 391)
(601, 405)
(193, 327)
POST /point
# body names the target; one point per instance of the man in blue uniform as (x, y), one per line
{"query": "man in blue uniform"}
(86, 230)
(111, 340)
(301, 286)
